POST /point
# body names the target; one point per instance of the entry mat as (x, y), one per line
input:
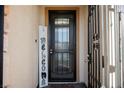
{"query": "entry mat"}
(68, 85)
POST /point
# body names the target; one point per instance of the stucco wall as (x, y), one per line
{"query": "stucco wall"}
(83, 62)
(21, 60)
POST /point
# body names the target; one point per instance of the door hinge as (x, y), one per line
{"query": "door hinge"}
(119, 16)
(102, 61)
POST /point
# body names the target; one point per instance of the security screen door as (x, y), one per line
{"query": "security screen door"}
(62, 46)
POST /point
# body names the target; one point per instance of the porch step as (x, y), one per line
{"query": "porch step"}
(73, 85)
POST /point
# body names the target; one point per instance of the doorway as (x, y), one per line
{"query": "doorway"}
(1, 43)
(62, 45)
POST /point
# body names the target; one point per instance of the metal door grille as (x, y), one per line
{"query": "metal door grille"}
(93, 47)
(62, 46)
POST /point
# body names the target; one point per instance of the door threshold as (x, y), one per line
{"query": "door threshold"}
(62, 82)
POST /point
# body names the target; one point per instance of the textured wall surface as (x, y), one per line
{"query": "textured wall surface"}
(21, 60)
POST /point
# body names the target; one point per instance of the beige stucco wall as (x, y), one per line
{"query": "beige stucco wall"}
(83, 62)
(21, 60)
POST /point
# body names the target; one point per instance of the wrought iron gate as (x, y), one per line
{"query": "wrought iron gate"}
(93, 47)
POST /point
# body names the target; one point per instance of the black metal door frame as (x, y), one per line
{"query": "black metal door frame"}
(1, 43)
(52, 14)
(93, 47)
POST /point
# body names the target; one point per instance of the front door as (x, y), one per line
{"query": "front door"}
(62, 46)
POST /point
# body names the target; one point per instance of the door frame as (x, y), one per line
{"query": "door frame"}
(77, 31)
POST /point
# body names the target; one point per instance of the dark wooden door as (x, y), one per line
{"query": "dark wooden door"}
(93, 47)
(1, 43)
(62, 46)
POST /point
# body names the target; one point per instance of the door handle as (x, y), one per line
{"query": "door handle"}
(51, 51)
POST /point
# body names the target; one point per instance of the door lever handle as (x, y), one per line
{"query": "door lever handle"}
(51, 51)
